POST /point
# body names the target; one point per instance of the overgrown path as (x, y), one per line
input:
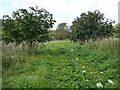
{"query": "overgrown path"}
(63, 64)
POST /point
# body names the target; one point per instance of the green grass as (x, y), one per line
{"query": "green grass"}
(63, 64)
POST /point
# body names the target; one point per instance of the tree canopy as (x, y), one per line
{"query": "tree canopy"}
(116, 30)
(62, 31)
(27, 25)
(90, 25)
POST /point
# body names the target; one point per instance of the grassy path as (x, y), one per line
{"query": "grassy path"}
(63, 64)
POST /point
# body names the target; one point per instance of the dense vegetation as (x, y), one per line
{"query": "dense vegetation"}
(91, 25)
(29, 26)
(62, 32)
(62, 64)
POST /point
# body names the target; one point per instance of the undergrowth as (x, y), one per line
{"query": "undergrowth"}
(62, 64)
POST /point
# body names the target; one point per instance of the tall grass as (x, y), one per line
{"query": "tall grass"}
(12, 54)
(108, 45)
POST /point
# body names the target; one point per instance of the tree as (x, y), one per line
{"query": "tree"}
(62, 31)
(116, 30)
(90, 25)
(30, 26)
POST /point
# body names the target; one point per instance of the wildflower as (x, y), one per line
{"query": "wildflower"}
(83, 71)
(65, 60)
(76, 58)
(101, 72)
(99, 85)
(110, 81)
(83, 67)
(71, 50)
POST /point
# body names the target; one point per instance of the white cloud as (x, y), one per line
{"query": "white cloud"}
(14, 4)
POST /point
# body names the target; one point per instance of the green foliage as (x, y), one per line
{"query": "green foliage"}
(64, 64)
(62, 32)
(52, 34)
(30, 26)
(116, 30)
(91, 25)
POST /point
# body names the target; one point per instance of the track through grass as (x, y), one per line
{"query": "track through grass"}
(64, 64)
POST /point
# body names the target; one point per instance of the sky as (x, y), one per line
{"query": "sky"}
(64, 10)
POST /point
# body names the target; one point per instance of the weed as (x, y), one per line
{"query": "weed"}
(62, 64)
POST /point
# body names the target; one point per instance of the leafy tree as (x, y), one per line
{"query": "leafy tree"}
(62, 31)
(30, 26)
(116, 30)
(90, 25)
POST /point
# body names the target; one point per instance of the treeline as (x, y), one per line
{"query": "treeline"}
(33, 26)
(89, 26)
(62, 32)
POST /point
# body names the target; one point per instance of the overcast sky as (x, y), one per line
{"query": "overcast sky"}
(63, 10)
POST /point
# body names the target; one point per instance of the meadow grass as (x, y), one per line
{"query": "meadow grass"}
(62, 64)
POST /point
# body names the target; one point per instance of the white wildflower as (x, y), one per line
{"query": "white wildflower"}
(84, 71)
(99, 85)
(110, 81)
(101, 72)
(83, 67)
(65, 60)
(76, 58)
(93, 72)
(71, 50)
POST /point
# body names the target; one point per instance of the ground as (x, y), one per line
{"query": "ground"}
(64, 64)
